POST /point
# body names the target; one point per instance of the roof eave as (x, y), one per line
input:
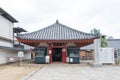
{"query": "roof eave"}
(7, 16)
(31, 40)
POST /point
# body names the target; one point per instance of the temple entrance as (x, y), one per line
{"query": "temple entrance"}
(57, 54)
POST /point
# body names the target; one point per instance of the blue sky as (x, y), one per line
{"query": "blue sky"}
(82, 15)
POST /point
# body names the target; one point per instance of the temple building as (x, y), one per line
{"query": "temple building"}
(57, 41)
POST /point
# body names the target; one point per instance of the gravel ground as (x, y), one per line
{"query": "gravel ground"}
(15, 72)
(76, 72)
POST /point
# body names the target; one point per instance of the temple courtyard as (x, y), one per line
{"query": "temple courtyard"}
(76, 72)
(59, 71)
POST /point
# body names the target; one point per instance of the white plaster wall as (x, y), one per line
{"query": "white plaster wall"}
(6, 28)
(11, 53)
(6, 43)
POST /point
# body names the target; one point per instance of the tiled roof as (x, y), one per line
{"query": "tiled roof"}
(18, 30)
(56, 31)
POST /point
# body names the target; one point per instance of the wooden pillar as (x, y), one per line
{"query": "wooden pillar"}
(64, 52)
(33, 55)
(50, 53)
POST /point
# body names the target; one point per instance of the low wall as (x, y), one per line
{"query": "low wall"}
(6, 55)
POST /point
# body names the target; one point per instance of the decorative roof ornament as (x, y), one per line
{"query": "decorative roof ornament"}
(57, 21)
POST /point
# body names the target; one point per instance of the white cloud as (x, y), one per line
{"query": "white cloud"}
(83, 15)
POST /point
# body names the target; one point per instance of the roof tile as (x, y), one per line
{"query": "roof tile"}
(57, 31)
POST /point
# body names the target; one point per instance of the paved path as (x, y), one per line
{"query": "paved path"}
(76, 72)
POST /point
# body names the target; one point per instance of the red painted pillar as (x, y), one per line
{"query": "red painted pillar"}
(50, 53)
(64, 55)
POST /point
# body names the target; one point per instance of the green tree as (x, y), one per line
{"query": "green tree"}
(103, 41)
(95, 31)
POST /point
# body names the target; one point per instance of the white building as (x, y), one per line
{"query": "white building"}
(6, 39)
